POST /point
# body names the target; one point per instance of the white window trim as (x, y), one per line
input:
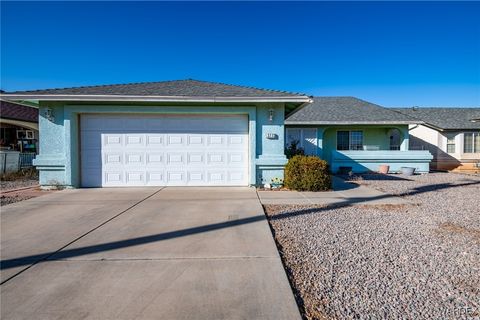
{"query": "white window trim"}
(455, 142)
(476, 135)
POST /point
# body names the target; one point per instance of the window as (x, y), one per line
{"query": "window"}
(349, 140)
(450, 143)
(306, 138)
(356, 140)
(343, 140)
(471, 142)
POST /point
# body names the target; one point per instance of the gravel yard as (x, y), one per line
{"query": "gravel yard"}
(418, 261)
(15, 181)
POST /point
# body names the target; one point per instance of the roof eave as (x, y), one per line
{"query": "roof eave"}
(54, 97)
(301, 122)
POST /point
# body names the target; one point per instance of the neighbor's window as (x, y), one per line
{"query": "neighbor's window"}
(471, 142)
(349, 140)
(451, 143)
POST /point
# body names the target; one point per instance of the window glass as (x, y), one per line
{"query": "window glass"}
(451, 143)
(468, 142)
(476, 146)
(343, 140)
(356, 140)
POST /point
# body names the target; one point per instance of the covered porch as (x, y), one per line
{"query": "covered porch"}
(359, 148)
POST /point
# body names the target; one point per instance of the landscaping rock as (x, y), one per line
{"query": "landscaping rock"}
(418, 261)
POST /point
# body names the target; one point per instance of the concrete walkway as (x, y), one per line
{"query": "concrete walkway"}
(142, 253)
(343, 193)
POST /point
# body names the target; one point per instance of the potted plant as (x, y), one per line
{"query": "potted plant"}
(277, 182)
(383, 168)
(407, 171)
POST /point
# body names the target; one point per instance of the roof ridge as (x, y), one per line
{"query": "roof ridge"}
(250, 87)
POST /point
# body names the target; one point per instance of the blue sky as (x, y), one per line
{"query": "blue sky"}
(391, 53)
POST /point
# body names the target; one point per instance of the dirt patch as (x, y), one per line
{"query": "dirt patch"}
(460, 230)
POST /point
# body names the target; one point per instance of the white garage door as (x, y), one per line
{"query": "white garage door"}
(167, 150)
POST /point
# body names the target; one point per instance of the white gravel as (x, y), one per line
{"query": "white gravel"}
(419, 261)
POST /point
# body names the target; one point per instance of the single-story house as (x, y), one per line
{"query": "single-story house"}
(18, 135)
(354, 134)
(18, 127)
(197, 133)
(452, 135)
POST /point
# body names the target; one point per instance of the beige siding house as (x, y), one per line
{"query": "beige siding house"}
(452, 135)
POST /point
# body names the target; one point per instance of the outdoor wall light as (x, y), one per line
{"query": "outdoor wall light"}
(49, 114)
(270, 114)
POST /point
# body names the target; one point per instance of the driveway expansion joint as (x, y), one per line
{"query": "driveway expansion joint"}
(164, 259)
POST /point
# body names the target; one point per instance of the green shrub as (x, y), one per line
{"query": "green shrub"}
(307, 173)
(293, 149)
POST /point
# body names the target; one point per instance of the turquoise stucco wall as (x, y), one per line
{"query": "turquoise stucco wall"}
(369, 160)
(59, 163)
(372, 136)
(271, 160)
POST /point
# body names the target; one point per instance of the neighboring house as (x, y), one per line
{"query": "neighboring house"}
(173, 133)
(352, 134)
(18, 127)
(197, 133)
(452, 135)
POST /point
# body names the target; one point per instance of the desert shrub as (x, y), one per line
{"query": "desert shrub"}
(307, 173)
(293, 149)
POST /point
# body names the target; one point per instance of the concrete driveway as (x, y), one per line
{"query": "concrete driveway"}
(142, 253)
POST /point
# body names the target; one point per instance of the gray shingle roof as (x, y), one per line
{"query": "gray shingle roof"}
(346, 110)
(445, 118)
(15, 111)
(176, 88)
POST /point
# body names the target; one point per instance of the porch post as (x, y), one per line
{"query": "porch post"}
(320, 132)
(405, 140)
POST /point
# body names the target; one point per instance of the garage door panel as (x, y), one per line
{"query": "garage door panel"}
(196, 159)
(196, 140)
(135, 178)
(155, 140)
(134, 159)
(113, 159)
(180, 150)
(175, 177)
(216, 176)
(113, 178)
(175, 159)
(175, 140)
(235, 140)
(113, 140)
(216, 140)
(134, 140)
(196, 177)
(154, 159)
(155, 178)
